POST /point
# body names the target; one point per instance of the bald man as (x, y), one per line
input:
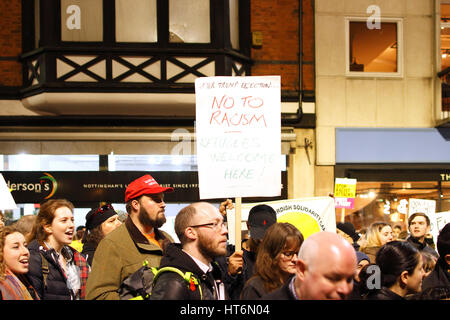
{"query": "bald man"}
(325, 268)
(203, 237)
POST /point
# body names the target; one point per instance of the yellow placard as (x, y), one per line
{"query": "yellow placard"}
(345, 188)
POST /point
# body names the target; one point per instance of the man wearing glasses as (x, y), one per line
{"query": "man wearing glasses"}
(123, 251)
(203, 236)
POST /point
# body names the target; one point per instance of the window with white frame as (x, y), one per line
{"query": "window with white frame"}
(374, 49)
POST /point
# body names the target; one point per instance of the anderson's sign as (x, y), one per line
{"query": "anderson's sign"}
(109, 186)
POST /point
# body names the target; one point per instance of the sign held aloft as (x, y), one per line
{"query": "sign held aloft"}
(345, 193)
(238, 136)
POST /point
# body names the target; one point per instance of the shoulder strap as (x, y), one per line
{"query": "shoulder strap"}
(45, 269)
(188, 277)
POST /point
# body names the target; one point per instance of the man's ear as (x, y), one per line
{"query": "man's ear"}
(301, 269)
(190, 233)
(135, 204)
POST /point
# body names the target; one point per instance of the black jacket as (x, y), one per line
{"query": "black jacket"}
(171, 286)
(422, 246)
(235, 283)
(88, 251)
(383, 294)
(56, 282)
(438, 277)
(254, 289)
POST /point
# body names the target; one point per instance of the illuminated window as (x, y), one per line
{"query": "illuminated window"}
(189, 21)
(136, 23)
(374, 49)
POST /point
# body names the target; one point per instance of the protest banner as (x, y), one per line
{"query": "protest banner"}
(238, 138)
(429, 208)
(309, 215)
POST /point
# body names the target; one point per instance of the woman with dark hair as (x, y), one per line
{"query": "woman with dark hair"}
(99, 222)
(275, 261)
(56, 270)
(401, 268)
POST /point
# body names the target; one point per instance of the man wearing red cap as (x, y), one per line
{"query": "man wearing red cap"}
(123, 251)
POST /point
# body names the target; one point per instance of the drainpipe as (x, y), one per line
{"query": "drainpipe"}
(299, 114)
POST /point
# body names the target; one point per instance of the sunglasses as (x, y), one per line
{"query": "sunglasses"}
(103, 208)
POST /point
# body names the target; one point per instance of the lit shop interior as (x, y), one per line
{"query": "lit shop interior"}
(389, 200)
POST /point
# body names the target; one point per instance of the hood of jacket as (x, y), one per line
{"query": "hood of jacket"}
(174, 256)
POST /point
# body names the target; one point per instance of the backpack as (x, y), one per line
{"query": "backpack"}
(139, 285)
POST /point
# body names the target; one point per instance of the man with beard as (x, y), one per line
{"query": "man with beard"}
(203, 237)
(123, 251)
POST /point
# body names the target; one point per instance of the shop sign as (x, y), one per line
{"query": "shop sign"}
(445, 176)
(94, 187)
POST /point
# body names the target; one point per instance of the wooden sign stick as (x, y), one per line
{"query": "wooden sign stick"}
(237, 225)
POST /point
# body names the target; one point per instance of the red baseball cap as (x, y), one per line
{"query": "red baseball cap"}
(144, 185)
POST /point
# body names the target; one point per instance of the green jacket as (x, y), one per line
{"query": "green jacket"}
(120, 254)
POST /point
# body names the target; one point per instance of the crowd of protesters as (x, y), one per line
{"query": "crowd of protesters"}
(43, 256)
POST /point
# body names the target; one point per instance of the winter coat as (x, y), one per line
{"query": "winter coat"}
(171, 286)
(120, 254)
(283, 293)
(253, 289)
(423, 247)
(235, 283)
(383, 294)
(438, 277)
(371, 252)
(56, 286)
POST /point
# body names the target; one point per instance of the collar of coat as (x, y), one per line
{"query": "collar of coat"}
(139, 238)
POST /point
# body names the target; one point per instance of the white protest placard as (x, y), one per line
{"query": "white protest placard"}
(309, 215)
(6, 199)
(429, 208)
(442, 218)
(238, 136)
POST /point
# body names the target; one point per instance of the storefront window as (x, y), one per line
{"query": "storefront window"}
(33, 162)
(159, 162)
(389, 201)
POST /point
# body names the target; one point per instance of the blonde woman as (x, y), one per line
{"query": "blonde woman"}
(377, 235)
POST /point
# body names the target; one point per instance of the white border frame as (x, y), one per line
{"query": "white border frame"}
(400, 57)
